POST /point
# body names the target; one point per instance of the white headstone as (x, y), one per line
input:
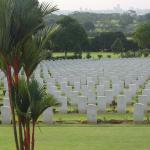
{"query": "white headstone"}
(91, 113)
(6, 102)
(143, 99)
(74, 97)
(106, 85)
(91, 98)
(6, 115)
(100, 90)
(146, 92)
(121, 104)
(101, 100)
(109, 96)
(63, 107)
(48, 116)
(77, 86)
(138, 112)
(82, 104)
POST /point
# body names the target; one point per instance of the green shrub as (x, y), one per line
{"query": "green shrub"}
(88, 56)
(146, 52)
(100, 56)
(77, 56)
(131, 54)
(108, 56)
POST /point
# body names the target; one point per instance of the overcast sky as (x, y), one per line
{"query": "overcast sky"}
(99, 4)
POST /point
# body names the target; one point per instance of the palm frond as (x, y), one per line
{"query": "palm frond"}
(37, 47)
(40, 100)
(22, 99)
(6, 10)
(47, 8)
(32, 100)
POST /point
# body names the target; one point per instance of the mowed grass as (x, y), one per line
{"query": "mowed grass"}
(88, 137)
(93, 54)
(82, 117)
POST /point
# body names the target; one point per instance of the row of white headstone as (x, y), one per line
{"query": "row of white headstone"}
(87, 83)
(91, 114)
(82, 104)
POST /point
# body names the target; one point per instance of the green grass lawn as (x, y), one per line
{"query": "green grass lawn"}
(93, 54)
(88, 137)
(104, 118)
(82, 117)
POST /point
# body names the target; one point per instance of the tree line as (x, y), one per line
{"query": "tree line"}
(72, 37)
(94, 23)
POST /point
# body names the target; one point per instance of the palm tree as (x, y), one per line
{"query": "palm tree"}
(20, 21)
(31, 102)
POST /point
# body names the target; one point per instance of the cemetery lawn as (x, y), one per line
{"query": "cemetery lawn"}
(93, 54)
(84, 137)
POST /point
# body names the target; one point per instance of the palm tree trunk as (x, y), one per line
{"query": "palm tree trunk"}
(24, 142)
(9, 79)
(16, 77)
(28, 131)
(20, 134)
(33, 135)
(27, 136)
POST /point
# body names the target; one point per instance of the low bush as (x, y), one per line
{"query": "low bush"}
(131, 54)
(88, 56)
(100, 56)
(108, 56)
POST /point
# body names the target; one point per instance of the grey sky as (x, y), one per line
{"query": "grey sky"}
(99, 4)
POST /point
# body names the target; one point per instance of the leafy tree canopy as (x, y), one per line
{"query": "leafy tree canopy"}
(71, 36)
(142, 35)
(106, 39)
(117, 46)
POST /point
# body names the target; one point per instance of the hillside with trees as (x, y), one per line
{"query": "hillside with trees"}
(102, 31)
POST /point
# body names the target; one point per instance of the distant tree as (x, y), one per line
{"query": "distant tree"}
(89, 26)
(106, 39)
(126, 19)
(111, 22)
(132, 13)
(147, 17)
(117, 46)
(70, 37)
(131, 45)
(142, 35)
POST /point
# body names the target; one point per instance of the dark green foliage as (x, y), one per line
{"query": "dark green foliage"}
(106, 39)
(131, 54)
(32, 100)
(146, 52)
(88, 56)
(108, 56)
(131, 45)
(100, 35)
(100, 56)
(117, 46)
(126, 19)
(89, 26)
(142, 35)
(77, 55)
(70, 37)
